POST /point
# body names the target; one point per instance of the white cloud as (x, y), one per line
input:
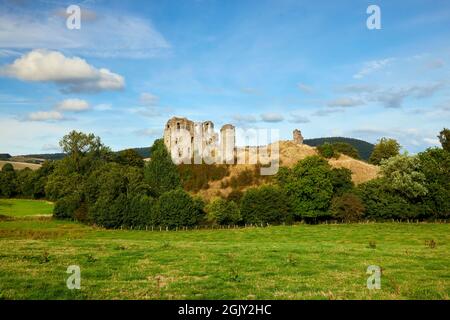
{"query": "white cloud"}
(149, 99)
(244, 118)
(345, 102)
(372, 66)
(272, 117)
(73, 74)
(298, 118)
(45, 116)
(75, 105)
(102, 35)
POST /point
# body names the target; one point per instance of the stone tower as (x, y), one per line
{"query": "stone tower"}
(227, 143)
(177, 142)
(297, 136)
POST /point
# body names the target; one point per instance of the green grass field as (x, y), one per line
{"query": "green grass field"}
(285, 262)
(25, 207)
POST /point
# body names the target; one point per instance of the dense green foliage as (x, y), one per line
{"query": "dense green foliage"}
(347, 207)
(224, 212)
(346, 148)
(384, 149)
(326, 150)
(265, 204)
(160, 172)
(309, 187)
(93, 185)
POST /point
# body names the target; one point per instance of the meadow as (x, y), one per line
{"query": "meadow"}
(280, 262)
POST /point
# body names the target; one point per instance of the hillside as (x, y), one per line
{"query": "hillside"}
(20, 165)
(364, 148)
(290, 154)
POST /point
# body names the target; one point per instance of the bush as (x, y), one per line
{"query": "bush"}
(346, 148)
(266, 204)
(347, 207)
(178, 209)
(195, 177)
(382, 204)
(224, 212)
(66, 206)
(142, 211)
(341, 179)
(326, 150)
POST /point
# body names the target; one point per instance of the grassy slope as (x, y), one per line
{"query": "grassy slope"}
(300, 262)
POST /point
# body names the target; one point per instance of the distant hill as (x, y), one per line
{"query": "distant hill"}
(144, 152)
(364, 148)
(4, 156)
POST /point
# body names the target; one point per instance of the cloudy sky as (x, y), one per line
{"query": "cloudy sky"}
(311, 65)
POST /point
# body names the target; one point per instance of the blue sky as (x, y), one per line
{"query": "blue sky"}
(311, 65)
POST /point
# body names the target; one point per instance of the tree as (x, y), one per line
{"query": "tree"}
(444, 138)
(8, 181)
(309, 187)
(178, 209)
(80, 146)
(347, 207)
(381, 203)
(266, 204)
(435, 166)
(341, 179)
(224, 212)
(346, 148)
(402, 176)
(326, 150)
(130, 157)
(384, 149)
(160, 172)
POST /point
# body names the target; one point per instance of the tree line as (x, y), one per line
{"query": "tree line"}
(96, 186)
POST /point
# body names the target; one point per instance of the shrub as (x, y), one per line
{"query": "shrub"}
(346, 148)
(224, 212)
(347, 207)
(326, 150)
(178, 209)
(66, 206)
(382, 204)
(266, 204)
(141, 211)
(341, 179)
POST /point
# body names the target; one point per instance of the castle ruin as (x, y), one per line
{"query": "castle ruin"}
(187, 139)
